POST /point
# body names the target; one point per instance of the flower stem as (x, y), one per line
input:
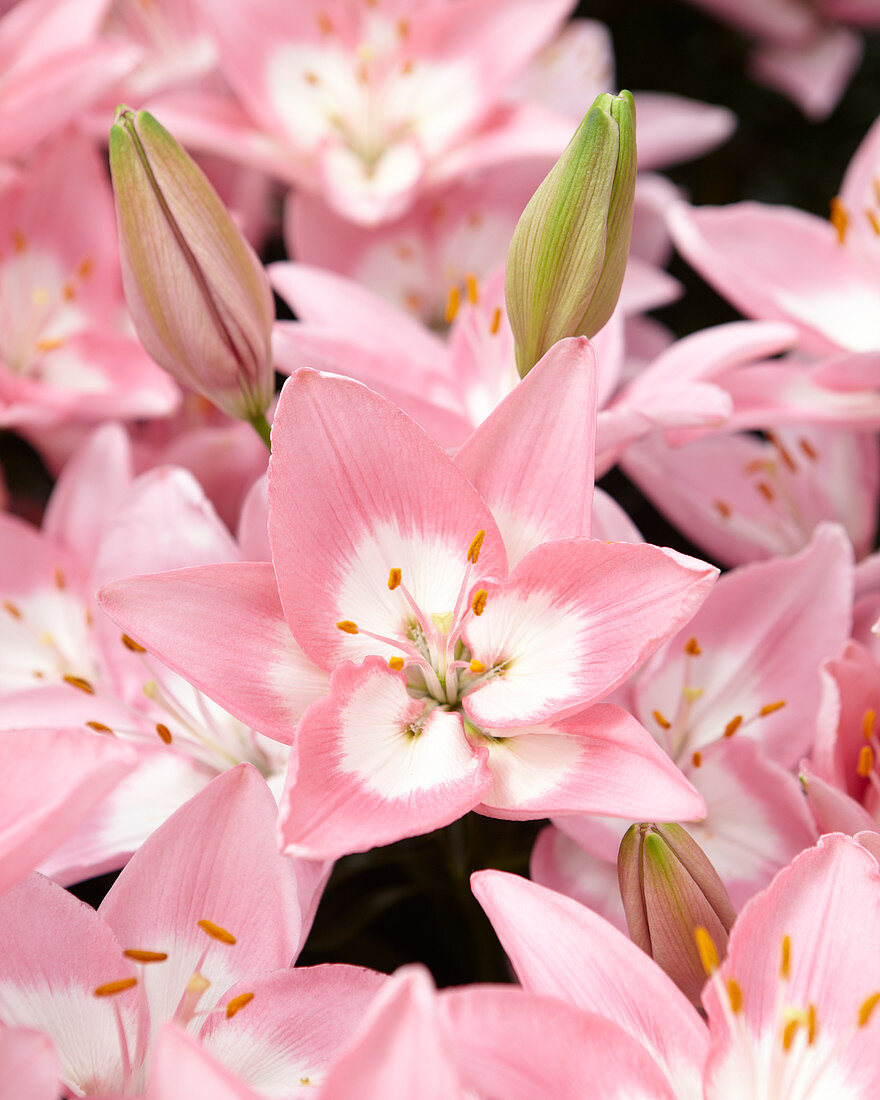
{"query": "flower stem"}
(261, 426)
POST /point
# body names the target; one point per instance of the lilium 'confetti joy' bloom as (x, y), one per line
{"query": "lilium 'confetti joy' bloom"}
(474, 684)
(790, 1011)
(178, 937)
(368, 102)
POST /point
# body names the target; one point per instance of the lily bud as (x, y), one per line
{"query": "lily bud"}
(568, 253)
(669, 889)
(198, 295)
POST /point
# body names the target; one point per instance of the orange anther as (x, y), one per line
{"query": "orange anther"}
(734, 995)
(866, 761)
(733, 725)
(471, 288)
(809, 450)
(453, 301)
(839, 219)
(662, 722)
(396, 663)
(164, 732)
(868, 723)
(478, 603)
(80, 683)
(477, 666)
(60, 579)
(707, 950)
(724, 510)
(131, 644)
(394, 578)
(765, 491)
(145, 956)
(19, 240)
(216, 932)
(874, 221)
(12, 609)
(108, 989)
(769, 708)
(347, 626)
(495, 324)
(325, 23)
(84, 267)
(693, 648)
(238, 1003)
(785, 958)
(473, 554)
(867, 1009)
(697, 759)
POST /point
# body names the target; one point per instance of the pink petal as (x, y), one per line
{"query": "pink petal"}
(601, 762)
(399, 1049)
(560, 949)
(544, 426)
(512, 1044)
(28, 1065)
(181, 1069)
(299, 1022)
(778, 263)
(52, 781)
(360, 776)
(259, 673)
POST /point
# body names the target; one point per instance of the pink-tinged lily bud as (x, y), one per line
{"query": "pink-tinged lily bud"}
(198, 295)
(669, 890)
(569, 250)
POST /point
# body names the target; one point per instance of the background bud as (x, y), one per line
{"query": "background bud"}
(569, 250)
(197, 293)
(669, 889)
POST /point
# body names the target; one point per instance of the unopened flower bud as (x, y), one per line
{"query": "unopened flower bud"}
(198, 295)
(569, 249)
(669, 889)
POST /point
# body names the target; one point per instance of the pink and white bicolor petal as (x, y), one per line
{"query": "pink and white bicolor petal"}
(357, 489)
(59, 950)
(296, 1026)
(259, 673)
(371, 765)
(571, 623)
(599, 762)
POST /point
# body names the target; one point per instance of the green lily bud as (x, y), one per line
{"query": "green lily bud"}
(669, 890)
(198, 295)
(568, 254)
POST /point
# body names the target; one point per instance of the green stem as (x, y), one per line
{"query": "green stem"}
(261, 426)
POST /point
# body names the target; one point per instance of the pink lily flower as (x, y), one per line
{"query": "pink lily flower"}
(474, 683)
(790, 1011)
(778, 263)
(65, 664)
(64, 354)
(368, 105)
(179, 938)
(744, 498)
